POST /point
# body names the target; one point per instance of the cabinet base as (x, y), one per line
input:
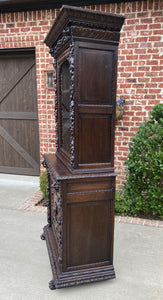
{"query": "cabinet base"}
(77, 277)
(51, 285)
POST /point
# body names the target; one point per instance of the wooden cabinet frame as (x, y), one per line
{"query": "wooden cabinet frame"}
(81, 183)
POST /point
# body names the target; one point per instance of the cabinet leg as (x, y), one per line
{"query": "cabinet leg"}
(42, 236)
(51, 285)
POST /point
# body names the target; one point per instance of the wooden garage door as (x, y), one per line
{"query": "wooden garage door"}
(19, 142)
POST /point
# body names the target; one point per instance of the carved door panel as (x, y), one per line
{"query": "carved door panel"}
(19, 141)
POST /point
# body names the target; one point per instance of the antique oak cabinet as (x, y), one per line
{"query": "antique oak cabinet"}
(81, 178)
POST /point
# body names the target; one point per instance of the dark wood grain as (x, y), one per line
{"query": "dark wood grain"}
(91, 49)
(87, 222)
(59, 171)
(81, 178)
(80, 231)
(95, 133)
(95, 75)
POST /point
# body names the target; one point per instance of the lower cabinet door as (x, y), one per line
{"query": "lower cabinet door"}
(89, 233)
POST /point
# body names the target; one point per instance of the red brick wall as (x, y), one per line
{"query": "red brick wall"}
(29, 29)
(140, 73)
(139, 66)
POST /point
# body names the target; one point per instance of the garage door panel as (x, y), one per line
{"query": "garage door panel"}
(19, 143)
(19, 95)
(10, 157)
(25, 140)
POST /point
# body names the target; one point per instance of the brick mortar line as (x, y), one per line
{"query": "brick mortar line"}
(30, 205)
(139, 221)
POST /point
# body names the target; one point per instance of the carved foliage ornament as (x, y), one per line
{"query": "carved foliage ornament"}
(57, 213)
(53, 51)
(72, 109)
(55, 204)
(48, 190)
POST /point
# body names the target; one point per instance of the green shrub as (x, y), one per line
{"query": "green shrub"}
(122, 204)
(43, 184)
(143, 190)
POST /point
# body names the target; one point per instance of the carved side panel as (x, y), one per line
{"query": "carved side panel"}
(54, 207)
(57, 216)
(48, 191)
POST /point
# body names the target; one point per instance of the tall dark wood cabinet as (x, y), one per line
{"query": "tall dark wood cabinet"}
(81, 178)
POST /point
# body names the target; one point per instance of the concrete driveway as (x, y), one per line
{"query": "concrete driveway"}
(24, 263)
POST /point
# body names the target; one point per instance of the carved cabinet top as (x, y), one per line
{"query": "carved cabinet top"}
(70, 16)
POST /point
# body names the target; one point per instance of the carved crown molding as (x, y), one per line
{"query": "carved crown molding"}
(95, 33)
(70, 16)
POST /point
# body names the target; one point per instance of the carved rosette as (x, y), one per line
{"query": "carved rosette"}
(57, 216)
(72, 109)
